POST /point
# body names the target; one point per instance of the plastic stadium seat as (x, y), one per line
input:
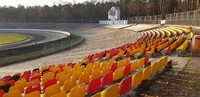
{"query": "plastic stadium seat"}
(49, 83)
(15, 77)
(118, 73)
(137, 78)
(95, 73)
(141, 62)
(96, 65)
(58, 75)
(94, 85)
(121, 63)
(114, 66)
(165, 60)
(11, 82)
(5, 87)
(84, 78)
(160, 63)
(7, 77)
(146, 60)
(1, 93)
(2, 82)
(88, 69)
(63, 78)
(105, 70)
(127, 61)
(17, 87)
(60, 94)
(51, 90)
(111, 61)
(33, 82)
(111, 91)
(97, 95)
(35, 76)
(107, 79)
(154, 67)
(76, 75)
(33, 94)
(134, 65)
(77, 91)
(127, 69)
(15, 93)
(22, 82)
(68, 85)
(47, 77)
(33, 88)
(146, 73)
(125, 85)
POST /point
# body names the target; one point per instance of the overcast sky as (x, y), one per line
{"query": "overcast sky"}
(34, 2)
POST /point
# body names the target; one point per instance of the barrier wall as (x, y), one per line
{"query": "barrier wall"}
(118, 22)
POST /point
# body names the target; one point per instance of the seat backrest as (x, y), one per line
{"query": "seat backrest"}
(154, 67)
(118, 73)
(111, 91)
(105, 70)
(33, 94)
(45, 78)
(76, 75)
(127, 61)
(33, 88)
(2, 93)
(78, 91)
(125, 85)
(94, 85)
(14, 93)
(160, 63)
(49, 83)
(11, 82)
(84, 78)
(60, 94)
(33, 82)
(127, 69)
(68, 85)
(111, 61)
(137, 78)
(7, 77)
(17, 87)
(141, 62)
(146, 60)
(51, 90)
(107, 79)
(63, 78)
(58, 75)
(96, 73)
(114, 66)
(121, 63)
(146, 73)
(96, 65)
(134, 65)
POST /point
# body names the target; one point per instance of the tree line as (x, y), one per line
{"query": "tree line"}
(92, 11)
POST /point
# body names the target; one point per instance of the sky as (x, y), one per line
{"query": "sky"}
(15, 3)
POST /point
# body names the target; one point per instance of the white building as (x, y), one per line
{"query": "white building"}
(114, 13)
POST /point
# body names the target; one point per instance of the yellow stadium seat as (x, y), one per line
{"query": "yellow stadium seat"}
(165, 60)
(141, 62)
(95, 73)
(43, 68)
(59, 75)
(105, 70)
(96, 65)
(105, 63)
(17, 87)
(154, 67)
(77, 91)
(51, 90)
(97, 95)
(33, 94)
(137, 78)
(76, 75)
(118, 73)
(14, 93)
(160, 63)
(23, 82)
(146, 73)
(111, 61)
(107, 55)
(84, 78)
(121, 63)
(111, 91)
(81, 68)
(127, 61)
(47, 77)
(134, 65)
(60, 94)
(63, 78)
(88, 70)
(33, 82)
(68, 85)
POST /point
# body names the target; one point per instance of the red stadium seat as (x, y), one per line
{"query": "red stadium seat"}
(127, 69)
(113, 67)
(94, 85)
(49, 83)
(33, 88)
(7, 77)
(125, 86)
(107, 79)
(146, 60)
(11, 82)
(1, 93)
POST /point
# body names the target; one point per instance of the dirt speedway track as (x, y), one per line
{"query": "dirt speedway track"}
(36, 36)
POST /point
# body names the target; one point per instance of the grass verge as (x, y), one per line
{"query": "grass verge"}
(47, 50)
